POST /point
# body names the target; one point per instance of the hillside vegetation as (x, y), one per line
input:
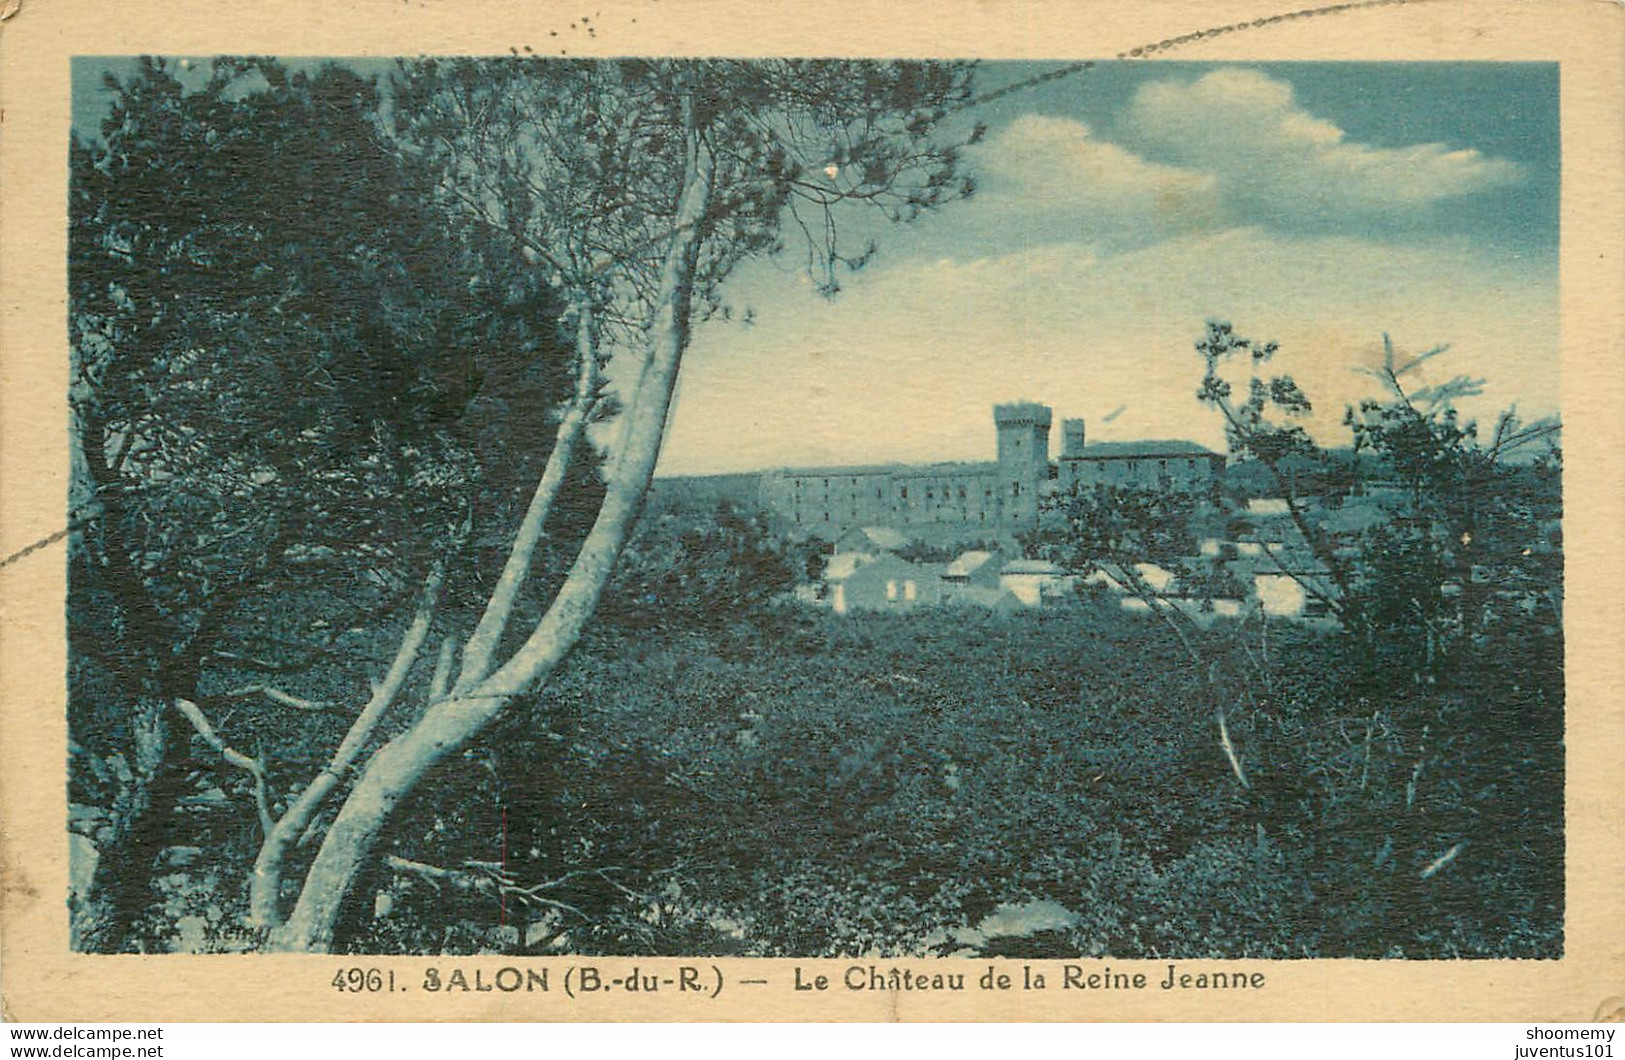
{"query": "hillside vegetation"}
(805, 785)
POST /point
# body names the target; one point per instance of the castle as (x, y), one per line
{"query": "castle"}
(1001, 496)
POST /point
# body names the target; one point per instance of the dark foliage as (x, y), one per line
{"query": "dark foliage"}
(294, 378)
(687, 571)
(805, 785)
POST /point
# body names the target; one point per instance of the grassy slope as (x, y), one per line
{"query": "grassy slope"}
(814, 786)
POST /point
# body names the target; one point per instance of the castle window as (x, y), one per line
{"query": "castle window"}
(1015, 489)
(905, 493)
(826, 517)
(891, 589)
(962, 493)
(880, 494)
(909, 592)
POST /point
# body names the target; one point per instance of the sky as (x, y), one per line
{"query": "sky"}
(1321, 205)
(1318, 205)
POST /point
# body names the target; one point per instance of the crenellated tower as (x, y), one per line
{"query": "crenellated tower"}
(1072, 438)
(1023, 430)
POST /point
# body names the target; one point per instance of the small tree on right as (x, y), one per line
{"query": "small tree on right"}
(1436, 805)
(1462, 531)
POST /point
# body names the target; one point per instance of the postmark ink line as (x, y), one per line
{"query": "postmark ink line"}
(1141, 51)
(50, 539)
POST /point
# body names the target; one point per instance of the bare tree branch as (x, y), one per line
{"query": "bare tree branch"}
(483, 881)
(265, 883)
(253, 766)
(487, 636)
(277, 695)
(440, 682)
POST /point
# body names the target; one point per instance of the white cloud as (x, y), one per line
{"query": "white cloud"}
(906, 364)
(1039, 268)
(1230, 148)
(1058, 167)
(1267, 153)
(1082, 275)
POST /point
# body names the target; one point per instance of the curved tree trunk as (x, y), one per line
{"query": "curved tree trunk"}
(447, 726)
(482, 645)
(390, 776)
(265, 882)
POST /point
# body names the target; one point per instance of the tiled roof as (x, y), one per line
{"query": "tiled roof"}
(923, 470)
(853, 470)
(1151, 448)
(885, 537)
(843, 565)
(967, 564)
(1031, 566)
(1293, 560)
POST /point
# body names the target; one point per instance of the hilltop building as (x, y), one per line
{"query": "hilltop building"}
(999, 496)
(1002, 494)
(1171, 466)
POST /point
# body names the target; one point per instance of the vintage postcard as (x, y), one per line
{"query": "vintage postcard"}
(690, 511)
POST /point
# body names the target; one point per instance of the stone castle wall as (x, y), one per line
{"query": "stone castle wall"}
(999, 497)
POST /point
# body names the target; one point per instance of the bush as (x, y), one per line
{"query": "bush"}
(879, 785)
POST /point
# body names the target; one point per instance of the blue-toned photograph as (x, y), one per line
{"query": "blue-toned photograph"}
(815, 508)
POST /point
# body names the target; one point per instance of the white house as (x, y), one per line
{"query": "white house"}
(871, 539)
(971, 567)
(1035, 581)
(1156, 578)
(1290, 582)
(1267, 506)
(880, 583)
(1279, 594)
